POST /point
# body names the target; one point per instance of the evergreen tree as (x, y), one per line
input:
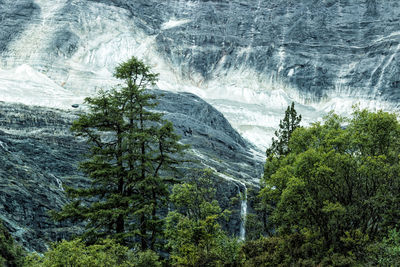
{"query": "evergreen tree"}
(290, 122)
(11, 255)
(275, 153)
(133, 153)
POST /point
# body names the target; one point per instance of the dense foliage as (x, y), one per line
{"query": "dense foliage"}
(194, 235)
(76, 253)
(11, 255)
(338, 187)
(107, 253)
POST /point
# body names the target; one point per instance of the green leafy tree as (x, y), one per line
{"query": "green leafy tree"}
(11, 255)
(385, 252)
(104, 254)
(194, 235)
(133, 154)
(288, 250)
(338, 184)
(147, 258)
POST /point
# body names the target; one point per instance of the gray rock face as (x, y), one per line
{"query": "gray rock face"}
(319, 47)
(250, 59)
(213, 140)
(256, 57)
(39, 155)
(14, 18)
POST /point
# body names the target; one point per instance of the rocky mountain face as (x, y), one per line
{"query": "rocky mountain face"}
(39, 156)
(318, 47)
(249, 59)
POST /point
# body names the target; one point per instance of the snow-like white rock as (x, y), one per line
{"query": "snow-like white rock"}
(24, 84)
(172, 23)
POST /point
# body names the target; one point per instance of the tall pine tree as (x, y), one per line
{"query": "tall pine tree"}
(290, 122)
(133, 153)
(278, 150)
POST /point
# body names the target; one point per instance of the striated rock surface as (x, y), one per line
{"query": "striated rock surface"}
(15, 16)
(320, 48)
(249, 59)
(39, 155)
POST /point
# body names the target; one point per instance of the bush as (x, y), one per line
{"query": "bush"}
(76, 253)
(146, 258)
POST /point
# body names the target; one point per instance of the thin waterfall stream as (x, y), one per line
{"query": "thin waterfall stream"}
(243, 212)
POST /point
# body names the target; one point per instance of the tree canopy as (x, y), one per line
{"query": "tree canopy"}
(193, 232)
(339, 183)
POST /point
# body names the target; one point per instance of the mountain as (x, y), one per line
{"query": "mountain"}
(248, 59)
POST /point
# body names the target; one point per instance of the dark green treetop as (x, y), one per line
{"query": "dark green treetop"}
(290, 122)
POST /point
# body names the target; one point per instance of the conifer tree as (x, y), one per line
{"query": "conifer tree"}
(11, 255)
(290, 122)
(133, 153)
(278, 150)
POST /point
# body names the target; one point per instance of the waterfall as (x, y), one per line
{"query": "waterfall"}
(243, 212)
(4, 146)
(60, 185)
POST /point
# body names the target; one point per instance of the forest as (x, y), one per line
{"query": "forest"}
(329, 196)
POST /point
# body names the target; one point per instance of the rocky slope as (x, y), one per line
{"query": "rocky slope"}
(250, 59)
(39, 155)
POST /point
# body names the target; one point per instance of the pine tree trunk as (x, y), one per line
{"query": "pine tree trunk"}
(120, 224)
(143, 230)
(153, 217)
